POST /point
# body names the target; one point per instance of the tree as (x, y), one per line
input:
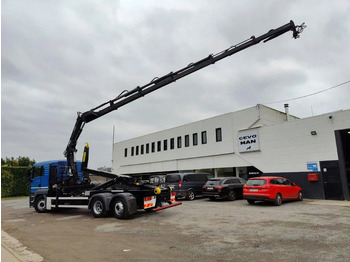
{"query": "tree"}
(25, 161)
(19, 161)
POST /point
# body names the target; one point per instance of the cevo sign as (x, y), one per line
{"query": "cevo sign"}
(248, 140)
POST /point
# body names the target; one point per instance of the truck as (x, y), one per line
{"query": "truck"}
(67, 183)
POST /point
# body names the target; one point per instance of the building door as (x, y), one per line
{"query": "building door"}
(331, 180)
(342, 138)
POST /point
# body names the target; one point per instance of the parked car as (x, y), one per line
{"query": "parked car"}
(273, 189)
(228, 188)
(187, 185)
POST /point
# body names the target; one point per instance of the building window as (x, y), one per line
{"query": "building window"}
(204, 137)
(125, 152)
(218, 134)
(137, 150)
(147, 148)
(165, 145)
(153, 147)
(159, 146)
(132, 151)
(142, 149)
(172, 143)
(195, 139)
(179, 142)
(187, 140)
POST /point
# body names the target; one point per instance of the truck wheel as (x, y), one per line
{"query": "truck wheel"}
(40, 204)
(190, 195)
(120, 208)
(98, 208)
(231, 195)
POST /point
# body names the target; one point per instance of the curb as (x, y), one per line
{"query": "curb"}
(343, 203)
(17, 250)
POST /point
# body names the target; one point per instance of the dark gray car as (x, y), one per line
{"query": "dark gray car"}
(187, 185)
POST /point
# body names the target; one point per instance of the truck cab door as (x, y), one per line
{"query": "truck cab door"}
(36, 178)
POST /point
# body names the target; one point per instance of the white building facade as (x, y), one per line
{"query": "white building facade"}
(256, 141)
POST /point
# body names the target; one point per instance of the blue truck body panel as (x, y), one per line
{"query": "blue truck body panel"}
(42, 181)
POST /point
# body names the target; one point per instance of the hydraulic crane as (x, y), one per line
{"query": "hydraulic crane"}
(128, 96)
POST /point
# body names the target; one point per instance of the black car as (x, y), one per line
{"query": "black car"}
(228, 188)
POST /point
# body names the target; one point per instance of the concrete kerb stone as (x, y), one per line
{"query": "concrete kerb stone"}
(18, 250)
(343, 203)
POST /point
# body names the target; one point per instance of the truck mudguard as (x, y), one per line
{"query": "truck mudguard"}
(37, 193)
(130, 200)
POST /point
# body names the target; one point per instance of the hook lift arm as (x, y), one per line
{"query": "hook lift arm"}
(128, 96)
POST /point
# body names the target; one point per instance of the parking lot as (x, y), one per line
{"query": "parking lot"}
(200, 230)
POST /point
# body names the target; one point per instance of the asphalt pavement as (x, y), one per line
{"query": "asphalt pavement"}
(200, 230)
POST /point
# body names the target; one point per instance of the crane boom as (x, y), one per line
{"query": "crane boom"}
(128, 96)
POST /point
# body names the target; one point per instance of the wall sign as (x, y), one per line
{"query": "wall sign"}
(248, 140)
(312, 166)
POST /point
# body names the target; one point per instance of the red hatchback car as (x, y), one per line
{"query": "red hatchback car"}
(273, 189)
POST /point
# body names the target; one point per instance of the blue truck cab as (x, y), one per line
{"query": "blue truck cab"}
(44, 175)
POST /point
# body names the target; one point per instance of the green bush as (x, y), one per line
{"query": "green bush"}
(6, 183)
(14, 181)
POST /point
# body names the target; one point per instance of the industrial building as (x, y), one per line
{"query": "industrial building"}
(314, 152)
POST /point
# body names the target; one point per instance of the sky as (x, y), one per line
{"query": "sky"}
(63, 57)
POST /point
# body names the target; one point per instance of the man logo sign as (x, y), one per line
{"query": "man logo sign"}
(248, 140)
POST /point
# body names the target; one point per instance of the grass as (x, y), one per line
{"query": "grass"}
(12, 198)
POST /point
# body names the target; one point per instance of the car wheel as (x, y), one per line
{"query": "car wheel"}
(98, 208)
(40, 204)
(190, 195)
(120, 208)
(278, 200)
(212, 198)
(231, 195)
(300, 196)
(251, 202)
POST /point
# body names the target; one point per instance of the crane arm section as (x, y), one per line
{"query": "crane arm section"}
(128, 96)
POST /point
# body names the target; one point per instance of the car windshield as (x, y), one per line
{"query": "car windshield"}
(214, 181)
(172, 178)
(256, 182)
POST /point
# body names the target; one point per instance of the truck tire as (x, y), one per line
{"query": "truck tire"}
(98, 208)
(40, 204)
(120, 208)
